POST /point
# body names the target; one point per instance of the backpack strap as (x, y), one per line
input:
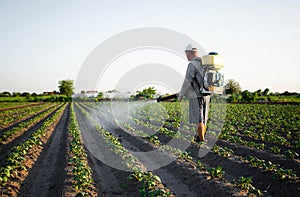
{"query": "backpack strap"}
(199, 90)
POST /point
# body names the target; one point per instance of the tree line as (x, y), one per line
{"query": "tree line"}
(233, 91)
(66, 89)
(235, 94)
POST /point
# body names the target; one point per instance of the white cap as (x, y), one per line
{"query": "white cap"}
(190, 48)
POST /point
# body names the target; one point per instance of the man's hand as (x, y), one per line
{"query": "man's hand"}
(179, 98)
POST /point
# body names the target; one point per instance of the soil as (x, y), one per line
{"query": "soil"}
(14, 123)
(245, 151)
(109, 181)
(16, 186)
(20, 137)
(182, 178)
(47, 176)
(20, 106)
(49, 172)
(268, 145)
(234, 167)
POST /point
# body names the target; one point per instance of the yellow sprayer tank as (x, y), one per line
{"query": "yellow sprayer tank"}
(213, 80)
(213, 61)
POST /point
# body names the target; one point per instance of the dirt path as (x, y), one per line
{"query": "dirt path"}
(47, 176)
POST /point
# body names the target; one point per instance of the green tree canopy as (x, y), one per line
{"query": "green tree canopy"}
(232, 87)
(100, 95)
(266, 91)
(15, 94)
(25, 94)
(66, 87)
(147, 93)
(5, 94)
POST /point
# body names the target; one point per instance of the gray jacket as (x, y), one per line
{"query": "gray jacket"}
(193, 82)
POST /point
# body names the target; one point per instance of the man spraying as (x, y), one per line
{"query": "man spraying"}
(191, 88)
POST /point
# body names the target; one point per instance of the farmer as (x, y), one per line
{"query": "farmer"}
(198, 103)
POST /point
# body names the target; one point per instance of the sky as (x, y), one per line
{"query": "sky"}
(43, 42)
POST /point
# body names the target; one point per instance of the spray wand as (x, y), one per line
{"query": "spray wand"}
(168, 98)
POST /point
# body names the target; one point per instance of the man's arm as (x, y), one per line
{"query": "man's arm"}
(190, 74)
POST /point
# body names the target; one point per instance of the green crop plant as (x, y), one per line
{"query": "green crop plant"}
(224, 152)
(201, 166)
(275, 149)
(154, 139)
(246, 184)
(275, 169)
(82, 173)
(14, 161)
(8, 117)
(186, 156)
(151, 184)
(291, 154)
(216, 172)
(24, 125)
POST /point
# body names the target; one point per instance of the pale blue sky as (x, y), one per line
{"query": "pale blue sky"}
(42, 42)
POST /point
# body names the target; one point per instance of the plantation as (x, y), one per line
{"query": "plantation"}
(98, 149)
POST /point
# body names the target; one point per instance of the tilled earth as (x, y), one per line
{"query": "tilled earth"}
(50, 174)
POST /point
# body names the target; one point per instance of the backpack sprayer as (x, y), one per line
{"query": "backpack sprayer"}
(213, 81)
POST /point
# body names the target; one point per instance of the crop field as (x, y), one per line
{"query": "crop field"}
(147, 149)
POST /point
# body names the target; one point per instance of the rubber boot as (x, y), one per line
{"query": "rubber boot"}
(201, 131)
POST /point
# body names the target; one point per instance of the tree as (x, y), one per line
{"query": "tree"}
(5, 94)
(100, 95)
(25, 94)
(258, 92)
(16, 94)
(247, 96)
(147, 93)
(266, 91)
(66, 87)
(232, 87)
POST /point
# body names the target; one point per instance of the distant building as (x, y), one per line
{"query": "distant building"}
(51, 93)
(91, 93)
(77, 95)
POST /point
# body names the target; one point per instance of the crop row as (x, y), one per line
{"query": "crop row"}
(146, 115)
(25, 125)
(266, 166)
(9, 105)
(216, 172)
(9, 117)
(235, 126)
(15, 162)
(269, 123)
(82, 173)
(225, 152)
(242, 182)
(151, 184)
(153, 121)
(231, 134)
(177, 152)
